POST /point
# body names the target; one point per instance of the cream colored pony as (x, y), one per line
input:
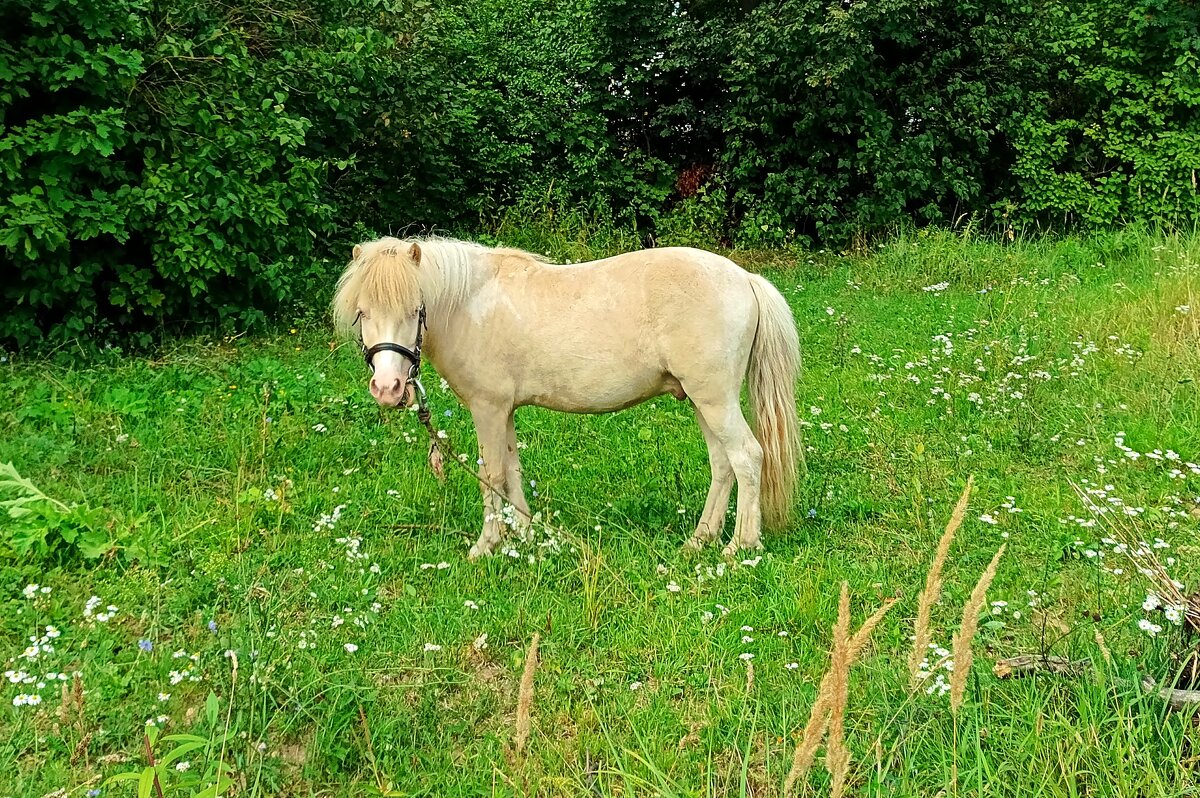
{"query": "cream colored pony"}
(507, 329)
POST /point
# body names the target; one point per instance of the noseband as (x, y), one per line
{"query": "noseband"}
(413, 355)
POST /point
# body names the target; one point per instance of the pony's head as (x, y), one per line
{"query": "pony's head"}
(379, 298)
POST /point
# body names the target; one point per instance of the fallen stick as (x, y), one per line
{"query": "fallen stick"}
(1026, 664)
(1175, 697)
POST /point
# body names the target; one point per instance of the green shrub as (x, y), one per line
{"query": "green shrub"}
(155, 165)
(39, 528)
(172, 162)
(1116, 135)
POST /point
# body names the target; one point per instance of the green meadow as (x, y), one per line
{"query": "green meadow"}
(221, 561)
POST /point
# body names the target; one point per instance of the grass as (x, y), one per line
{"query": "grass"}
(209, 475)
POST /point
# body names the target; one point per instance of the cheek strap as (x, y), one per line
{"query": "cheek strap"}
(413, 355)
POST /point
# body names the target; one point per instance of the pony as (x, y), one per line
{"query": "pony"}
(506, 328)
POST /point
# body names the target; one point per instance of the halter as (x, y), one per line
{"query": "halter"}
(413, 355)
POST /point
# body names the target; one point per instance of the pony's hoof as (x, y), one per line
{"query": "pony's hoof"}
(478, 551)
(731, 551)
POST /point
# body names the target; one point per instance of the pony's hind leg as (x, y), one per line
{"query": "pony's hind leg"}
(491, 429)
(728, 425)
(712, 520)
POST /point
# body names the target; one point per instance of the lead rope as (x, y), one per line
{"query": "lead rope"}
(436, 456)
(440, 449)
(439, 444)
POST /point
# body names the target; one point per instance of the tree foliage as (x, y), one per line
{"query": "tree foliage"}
(160, 161)
(174, 161)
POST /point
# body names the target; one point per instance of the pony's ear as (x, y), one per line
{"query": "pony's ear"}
(354, 253)
(414, 252)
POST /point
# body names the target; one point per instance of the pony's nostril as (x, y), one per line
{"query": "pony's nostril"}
(384, 388)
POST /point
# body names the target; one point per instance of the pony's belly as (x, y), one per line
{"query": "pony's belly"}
(606, 398)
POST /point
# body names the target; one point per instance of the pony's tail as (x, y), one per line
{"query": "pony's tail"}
(774, 368)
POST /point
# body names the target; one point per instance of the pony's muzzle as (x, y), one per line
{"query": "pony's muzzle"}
(395, 392)
(390, 390)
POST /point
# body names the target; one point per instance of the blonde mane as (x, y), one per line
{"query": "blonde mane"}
(383, 276)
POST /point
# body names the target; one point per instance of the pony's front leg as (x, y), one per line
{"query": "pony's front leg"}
(491, 427)
(514, 488)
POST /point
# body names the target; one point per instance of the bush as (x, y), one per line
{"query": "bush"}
(176, 162)
(156, 163)
(1115, 136)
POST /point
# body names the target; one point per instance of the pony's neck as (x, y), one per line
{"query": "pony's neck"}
(451, 273)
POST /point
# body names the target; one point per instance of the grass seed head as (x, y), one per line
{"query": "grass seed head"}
(962, 652)
(837, 754)
(525, 696)
(933, 585)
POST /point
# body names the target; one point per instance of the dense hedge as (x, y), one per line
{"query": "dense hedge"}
(175, 161)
